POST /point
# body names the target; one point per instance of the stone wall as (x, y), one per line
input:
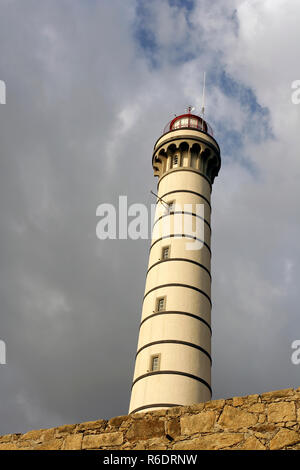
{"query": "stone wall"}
(267, 421)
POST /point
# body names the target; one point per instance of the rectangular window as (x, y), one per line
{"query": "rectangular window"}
(160, 304)
(175, 160)
(165, 252)
(155, 360)
(171, 206)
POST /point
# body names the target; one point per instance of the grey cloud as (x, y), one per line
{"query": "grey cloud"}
(84, 108)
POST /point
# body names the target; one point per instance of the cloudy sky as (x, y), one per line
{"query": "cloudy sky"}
(90, 86)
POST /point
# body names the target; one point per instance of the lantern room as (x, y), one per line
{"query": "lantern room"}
(190, 121)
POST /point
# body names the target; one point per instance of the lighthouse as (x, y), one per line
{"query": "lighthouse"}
(173, 359)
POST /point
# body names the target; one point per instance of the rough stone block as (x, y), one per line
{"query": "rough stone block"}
(53, 444)
(252, 443)
(201, 422)
(9, 446)
(118, 420)
(47, 434)
(157, 443)
(281, 412)
(73, 442)
(253, 398)
(261, 418)
(266, 428)
(234, 418)
(172, 427)
(140, 445)
(92, 425)
(157, 413)
(215, 405)
(269, 396)
(145, 429)
(95, 441)
(284, 438)
(210, 442)
(175, 411)
(32, 435)
(6, 438)
(196, 407)
(238, 401)
(256, 408)
(66, 429)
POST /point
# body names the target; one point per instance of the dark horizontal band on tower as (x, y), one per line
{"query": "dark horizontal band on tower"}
(176, 312)
(185, 213)
(174, 284)
(187, 260)
(154, 405)
(175, 341)
(172, 372)
(185, 191)
(180, 235)
(192, 170)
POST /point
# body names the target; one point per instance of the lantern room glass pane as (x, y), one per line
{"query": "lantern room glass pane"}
(184, 122)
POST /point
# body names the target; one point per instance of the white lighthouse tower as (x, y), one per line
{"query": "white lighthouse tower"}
(173, 359)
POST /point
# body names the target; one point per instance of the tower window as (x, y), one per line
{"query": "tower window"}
(160, 304)
(165, 252)
(155, 362)
(175, 160)
(171, 206)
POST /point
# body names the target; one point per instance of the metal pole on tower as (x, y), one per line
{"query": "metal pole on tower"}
(203, 99)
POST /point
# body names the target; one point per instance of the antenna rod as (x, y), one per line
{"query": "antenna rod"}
(160, 199)
(203, 99)
(203, 94)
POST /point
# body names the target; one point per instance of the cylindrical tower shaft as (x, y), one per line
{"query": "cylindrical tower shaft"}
(173, 360)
